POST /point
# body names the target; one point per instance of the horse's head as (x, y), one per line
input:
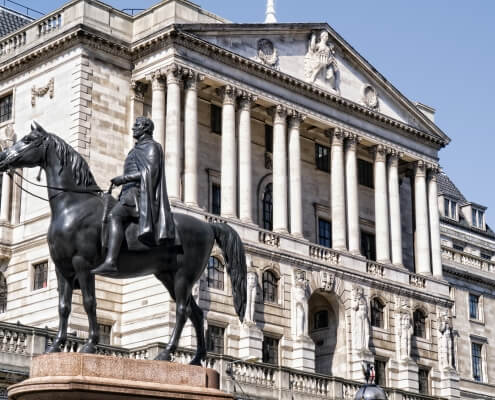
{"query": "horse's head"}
(27, 152)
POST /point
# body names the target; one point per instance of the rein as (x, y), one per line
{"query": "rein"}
(61, 190)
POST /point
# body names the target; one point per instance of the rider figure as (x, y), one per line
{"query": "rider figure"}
(143, 197)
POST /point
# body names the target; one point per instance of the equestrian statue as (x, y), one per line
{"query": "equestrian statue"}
(92, 233)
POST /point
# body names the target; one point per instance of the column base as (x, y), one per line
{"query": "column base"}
(251, 342)
(281, 230)
(303, 354)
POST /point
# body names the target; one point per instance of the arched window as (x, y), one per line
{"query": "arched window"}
(377, 313)
(320, 319)
(268, 207)
(3, 294)
(419, 323)
(215, 273)
(270, 286)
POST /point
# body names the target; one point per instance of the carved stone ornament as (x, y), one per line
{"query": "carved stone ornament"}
(370, 97)
(300, 295)
(327, 280)
(321, 58)
(40, 92)
(252, 288)
(267, 53)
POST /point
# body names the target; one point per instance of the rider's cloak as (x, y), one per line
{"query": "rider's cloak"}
(156, 223)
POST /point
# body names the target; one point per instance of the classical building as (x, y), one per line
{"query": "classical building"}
(329, 174)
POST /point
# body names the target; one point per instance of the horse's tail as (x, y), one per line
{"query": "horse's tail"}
(233, 250)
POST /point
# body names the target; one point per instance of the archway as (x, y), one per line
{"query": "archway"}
(327, 329)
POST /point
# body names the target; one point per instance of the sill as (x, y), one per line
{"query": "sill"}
(378, 329)
(422, 339)
(5, 123)
(477, 321)
(40, 290)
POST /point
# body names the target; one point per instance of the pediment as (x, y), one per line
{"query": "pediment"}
(317, 55)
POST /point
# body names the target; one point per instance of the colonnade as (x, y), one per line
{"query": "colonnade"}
(287, 192)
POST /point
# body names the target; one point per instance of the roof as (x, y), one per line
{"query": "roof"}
(447, 188)
(11, 21)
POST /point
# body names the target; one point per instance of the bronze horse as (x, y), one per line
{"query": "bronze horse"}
(74, 240)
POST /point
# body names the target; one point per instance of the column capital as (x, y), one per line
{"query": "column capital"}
(394, 157)
(228, 93)
(139, 89)
(351, 140)
(157, 80)
(420, 168)
(379, 153)
(433, 170)
(173, 72)
(246, 99)
(295, 118)
(279, 114)
(191, 79)
(336, 136)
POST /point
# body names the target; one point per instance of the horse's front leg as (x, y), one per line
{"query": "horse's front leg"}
(87, 283)
(64, 307)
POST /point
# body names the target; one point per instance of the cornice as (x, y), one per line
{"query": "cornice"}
(467, 275)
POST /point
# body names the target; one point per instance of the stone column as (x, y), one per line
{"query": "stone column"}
(245, 158)
(422, 239)
(279, 169)
(295, 191)
(436, 251)
(352, 193)
(381, 206)
(173, 148)
(394, 199)
(191, 139)
(137, 106)
(5, 205)
(228, 179)
(158, 107)
(337, 189)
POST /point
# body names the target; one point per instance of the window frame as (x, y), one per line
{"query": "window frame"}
(448, 203)
(321, 220)
(214, 178)
(268, 138)
(385, 370)
(315, 313)
(215, 111)
(218, 271)
(322, 161)
(101, 326)
(377, 299)
(275, 283)
(428, 380)
(477, 218)
(482, 360)
(425, 327)
(209, 341)
(365, 179)
(363, 233)
(3, 293)
(480, 317)
(264, 211)
(32, 274)
(5, 95)
(277, 349)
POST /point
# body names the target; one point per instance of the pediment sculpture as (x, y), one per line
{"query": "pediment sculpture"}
(267, 53)
(370, 97)
(320, 59)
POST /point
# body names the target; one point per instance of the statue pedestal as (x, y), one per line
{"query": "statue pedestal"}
(76, 376)
(251, 342)
(408, 375)
(358, 358)
(449, 384)
(303, 354)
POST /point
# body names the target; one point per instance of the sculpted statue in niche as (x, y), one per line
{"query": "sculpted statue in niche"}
(300, 303)
(321, 58)
(267, 53)
(405, 331)
(444, 341)
(370, 97)
(252, 289)
(361, 327)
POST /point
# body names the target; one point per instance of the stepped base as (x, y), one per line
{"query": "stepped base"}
(75, 376)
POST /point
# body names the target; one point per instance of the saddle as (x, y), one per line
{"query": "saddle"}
(131, 240)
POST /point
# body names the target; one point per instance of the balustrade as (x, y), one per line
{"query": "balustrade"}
(469, 260)
(324, 254)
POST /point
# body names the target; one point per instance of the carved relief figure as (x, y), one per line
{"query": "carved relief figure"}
(361, 328)
(267, 53)
(321, 57)
(300, 303)
(370, 97)
(405, 332)
(444, 342)
(252, 288)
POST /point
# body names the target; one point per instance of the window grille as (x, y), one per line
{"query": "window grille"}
(474, 306)
(477, 361)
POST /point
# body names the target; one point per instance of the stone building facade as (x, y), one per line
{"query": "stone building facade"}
(328, 173)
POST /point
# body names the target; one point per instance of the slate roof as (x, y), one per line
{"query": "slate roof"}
(447, 188)
(10, 21)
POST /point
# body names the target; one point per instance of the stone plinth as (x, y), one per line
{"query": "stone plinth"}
(358, 358)
(75, 376)
(449, 384)
(251, 342)
(408, 375)
(303, 354)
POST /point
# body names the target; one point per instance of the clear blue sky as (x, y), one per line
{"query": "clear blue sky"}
(439, 52)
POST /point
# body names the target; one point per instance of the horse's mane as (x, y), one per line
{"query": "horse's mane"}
(71, 158)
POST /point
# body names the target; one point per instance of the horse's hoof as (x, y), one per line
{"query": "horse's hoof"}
(88, 348)
(54, 348)
(196, 361)
(164, 356)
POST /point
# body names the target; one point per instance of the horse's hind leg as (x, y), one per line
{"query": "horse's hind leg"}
(64, 307)
(197, 319)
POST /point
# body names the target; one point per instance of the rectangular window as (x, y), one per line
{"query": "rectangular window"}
(474, 306)
(216, 119)
(450, 208)
(40, 272)
(368, 246)
(381, 373)
(458, 247)
(477, 361)
(423, 380)
(365, 173)
(6, 108)
(477, 218)
(322, 157)
(268, 138)
(214, 339)
(215, 198)
(105, 332)
(324, 233)
(270, 350)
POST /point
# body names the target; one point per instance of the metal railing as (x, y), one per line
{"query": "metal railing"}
(14, 6)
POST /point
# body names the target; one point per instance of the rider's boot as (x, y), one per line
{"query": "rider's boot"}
(116, 235)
